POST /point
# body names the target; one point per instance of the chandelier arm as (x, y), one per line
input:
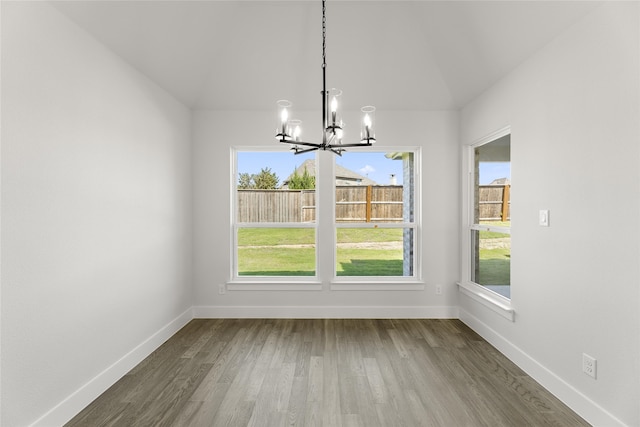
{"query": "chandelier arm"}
(305, 151)
(307, 144)
(353, 144)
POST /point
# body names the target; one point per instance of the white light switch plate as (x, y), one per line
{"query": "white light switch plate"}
(544, 217)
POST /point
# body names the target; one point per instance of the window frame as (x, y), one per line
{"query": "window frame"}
(324, 225)
(413, 282)
(479, 293)
(263, 282)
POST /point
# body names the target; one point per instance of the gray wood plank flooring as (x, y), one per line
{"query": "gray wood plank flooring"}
(336, 372)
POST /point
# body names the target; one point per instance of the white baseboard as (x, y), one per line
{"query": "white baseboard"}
(326, 312)
(569, 395)
(76, 402)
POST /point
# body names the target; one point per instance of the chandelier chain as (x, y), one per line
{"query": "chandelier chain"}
(324, 35)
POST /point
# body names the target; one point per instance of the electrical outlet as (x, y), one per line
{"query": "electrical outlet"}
(589, 365)
(222, 289)
(438, 289)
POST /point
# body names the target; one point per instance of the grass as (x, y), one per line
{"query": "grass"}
(369, 262)
(495, 263)
(272, 258)
(298, 236)
(275, 236)
(359, 235)
(276, 261)
(495, 267)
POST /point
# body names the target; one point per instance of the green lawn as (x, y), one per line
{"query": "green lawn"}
(273, 258)
(275, 261)
(369, 262)
(358, 235)
(495, 267)
(275, 236)
(495, 263)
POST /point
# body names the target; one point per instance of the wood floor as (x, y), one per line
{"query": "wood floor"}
(284, 372)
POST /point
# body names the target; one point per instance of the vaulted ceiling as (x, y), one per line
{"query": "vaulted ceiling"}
(401, 55)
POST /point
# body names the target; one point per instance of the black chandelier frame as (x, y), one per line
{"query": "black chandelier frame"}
(332, 134)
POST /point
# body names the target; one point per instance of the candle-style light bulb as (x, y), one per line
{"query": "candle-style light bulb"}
(296, 133)
(367, 126)
(284, 116)
(334, 109)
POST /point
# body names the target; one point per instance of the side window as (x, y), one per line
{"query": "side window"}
(376, 218)
(274, 218)
(491, 226)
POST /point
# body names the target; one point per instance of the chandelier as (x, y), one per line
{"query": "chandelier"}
(289, 130)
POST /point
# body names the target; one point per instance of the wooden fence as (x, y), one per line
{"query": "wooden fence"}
(379, 203)
(494, 202)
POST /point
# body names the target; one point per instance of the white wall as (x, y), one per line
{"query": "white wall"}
(216, 131)
(95, 215)
(574, 114)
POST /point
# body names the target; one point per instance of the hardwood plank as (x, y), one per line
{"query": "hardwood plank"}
(313, 414)
(366, 405)
(261, 366)
(378, 388)
(303, 359)
(316, 383)
(263, 403)
(331, 410)
(348, 394)
(352, 420)
(297, 402)
(282, 393)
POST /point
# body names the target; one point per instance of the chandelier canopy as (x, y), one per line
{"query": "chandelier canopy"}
(289, 130)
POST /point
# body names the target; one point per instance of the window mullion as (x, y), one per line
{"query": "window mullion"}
(325, 206)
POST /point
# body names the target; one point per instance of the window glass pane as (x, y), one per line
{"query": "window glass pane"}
(493, 181)
(492, 207)
(374, 252)
(374, 187)
(275, 187)
(276, 252)
(492, 261)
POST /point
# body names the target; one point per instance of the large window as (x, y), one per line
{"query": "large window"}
(281, 235)
(490, 228)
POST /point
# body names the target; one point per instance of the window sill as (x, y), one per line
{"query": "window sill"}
(337, 285)
(489, 299)
(263, 285)
(360, 285)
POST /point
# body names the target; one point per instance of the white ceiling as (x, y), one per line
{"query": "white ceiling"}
(392, 54)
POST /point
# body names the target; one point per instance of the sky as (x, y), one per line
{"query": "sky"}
(490, 171)
(373, 165)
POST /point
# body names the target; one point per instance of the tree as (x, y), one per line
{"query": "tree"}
(304, 182)
(265, 180)
(245, 181)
